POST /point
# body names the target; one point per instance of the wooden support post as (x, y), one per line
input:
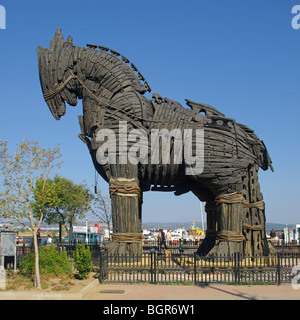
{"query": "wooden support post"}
(225, 222)
(254, 216)
(126, 215)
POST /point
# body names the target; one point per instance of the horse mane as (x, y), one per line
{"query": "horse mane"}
(105, 54)
(94, 63)
(112, 87)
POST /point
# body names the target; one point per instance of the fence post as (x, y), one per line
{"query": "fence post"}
(100, 266)
(154, 263)
(235, 271)
(103, 264)
(195, 269)
(152, 268)
(278, 268)
(237, 268)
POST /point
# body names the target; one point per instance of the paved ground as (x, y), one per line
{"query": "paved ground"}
(205, 292)
(103, 292)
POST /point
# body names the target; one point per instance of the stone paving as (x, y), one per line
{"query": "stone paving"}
(97, 291)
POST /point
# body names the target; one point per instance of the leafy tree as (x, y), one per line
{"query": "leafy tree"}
(64, 203)
(19, 174)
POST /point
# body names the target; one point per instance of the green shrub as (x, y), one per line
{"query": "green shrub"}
(51, 261)
(83, 260)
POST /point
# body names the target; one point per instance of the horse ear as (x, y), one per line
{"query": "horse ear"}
(70, 40)
(63, 61)
(57, 42)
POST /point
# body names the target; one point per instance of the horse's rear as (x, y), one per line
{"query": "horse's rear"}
(158, 145)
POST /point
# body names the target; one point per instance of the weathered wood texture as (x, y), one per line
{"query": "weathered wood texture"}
(254, 218)
(112, 90)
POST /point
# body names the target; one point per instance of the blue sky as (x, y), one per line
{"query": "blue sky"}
(242, 57)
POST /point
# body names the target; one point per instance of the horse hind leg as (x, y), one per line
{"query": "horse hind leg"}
(224, 226)
(236, 221)
(254, 216)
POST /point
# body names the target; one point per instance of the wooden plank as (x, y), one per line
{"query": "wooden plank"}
(232, 151)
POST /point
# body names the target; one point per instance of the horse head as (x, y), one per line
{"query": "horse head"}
(57, 69)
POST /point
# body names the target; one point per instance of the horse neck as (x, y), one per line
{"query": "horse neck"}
(111, 85)
(104, 70)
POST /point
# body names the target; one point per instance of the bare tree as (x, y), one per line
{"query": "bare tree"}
(19, 174)
(101, 208)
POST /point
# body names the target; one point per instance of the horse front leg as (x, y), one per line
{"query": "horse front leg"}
(126, 205)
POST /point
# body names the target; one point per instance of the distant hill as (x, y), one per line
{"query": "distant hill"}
(279, 226)
(171, 225)
(186, 225)
(175, 225)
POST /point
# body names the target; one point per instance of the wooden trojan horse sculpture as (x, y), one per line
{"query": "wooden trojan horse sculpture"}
(138, 144)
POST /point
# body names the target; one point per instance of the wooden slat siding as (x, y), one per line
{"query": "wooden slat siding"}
(232, 151)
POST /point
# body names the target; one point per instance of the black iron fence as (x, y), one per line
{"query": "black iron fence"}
(175, 266)
(165, 267)
(185, 244)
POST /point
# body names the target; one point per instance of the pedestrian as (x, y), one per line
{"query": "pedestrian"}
(281, 237)
(169, 237)
(49, 239)
(273, 233)
(159, 239)
(39, 238)
(162, 239)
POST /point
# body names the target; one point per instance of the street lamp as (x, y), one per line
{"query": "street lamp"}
(86, 233)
